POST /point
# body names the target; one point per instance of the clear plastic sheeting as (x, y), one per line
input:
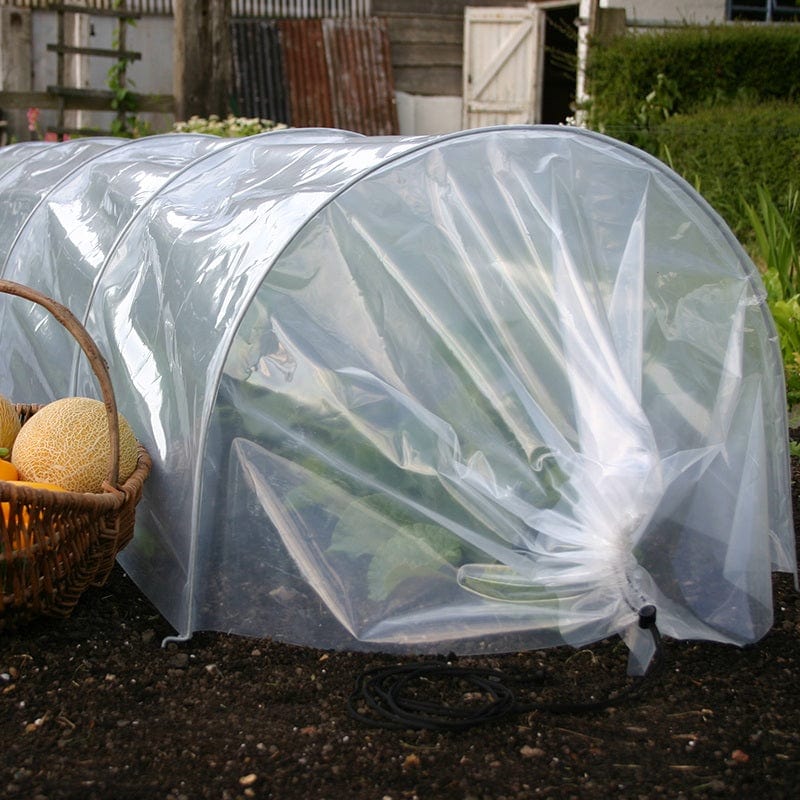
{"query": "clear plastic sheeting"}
(478, 392)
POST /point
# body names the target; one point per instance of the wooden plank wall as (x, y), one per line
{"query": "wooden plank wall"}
(427, 42)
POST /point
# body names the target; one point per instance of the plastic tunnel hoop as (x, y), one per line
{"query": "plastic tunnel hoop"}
(487, 391)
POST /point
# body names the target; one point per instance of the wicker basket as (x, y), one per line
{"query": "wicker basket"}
(53, 545)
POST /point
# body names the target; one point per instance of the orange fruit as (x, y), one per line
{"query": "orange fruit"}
(53, 487)
(8, 472)
(5, 508)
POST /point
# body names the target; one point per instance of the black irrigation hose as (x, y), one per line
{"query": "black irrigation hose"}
(384, 692)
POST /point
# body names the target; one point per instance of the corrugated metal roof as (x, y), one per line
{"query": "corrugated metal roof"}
(362, 85)
(259, 75)
(239, 8)
(321, 73)
(154, 7)
(301, 8)
(306, 73)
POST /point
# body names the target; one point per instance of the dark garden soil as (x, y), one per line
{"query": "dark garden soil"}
(95, 707)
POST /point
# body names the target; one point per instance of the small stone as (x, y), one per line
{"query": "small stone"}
(248, 780)
(526, 751)
(740, 757)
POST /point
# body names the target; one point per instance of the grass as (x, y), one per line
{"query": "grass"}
(776, 233)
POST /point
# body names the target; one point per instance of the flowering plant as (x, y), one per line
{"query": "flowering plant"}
(33, 122)
(231, 126)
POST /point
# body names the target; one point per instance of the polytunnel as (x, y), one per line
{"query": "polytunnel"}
(485, 391)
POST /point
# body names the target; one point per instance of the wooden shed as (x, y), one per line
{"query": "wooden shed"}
(521, 55)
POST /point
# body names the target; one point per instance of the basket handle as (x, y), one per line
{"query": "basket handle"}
(96, 361)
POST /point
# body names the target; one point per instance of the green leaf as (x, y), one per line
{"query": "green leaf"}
(417, 551)
(369, 527)
(365, 526)
(794, 416)
(501, 582)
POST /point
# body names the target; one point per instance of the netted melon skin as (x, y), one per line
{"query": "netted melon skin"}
(66, 442)
(9, 423)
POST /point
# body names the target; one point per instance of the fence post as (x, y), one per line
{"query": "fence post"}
(202, 73)
(611, 22)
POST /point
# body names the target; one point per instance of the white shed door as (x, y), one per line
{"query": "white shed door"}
(502, 65)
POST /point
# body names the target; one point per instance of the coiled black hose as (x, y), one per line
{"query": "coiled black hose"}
(383, 696)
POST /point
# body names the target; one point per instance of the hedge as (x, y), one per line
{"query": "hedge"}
(708, 65)
(720, 104)
(726, 152)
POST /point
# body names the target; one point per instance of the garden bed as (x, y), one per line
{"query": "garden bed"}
(95, 707)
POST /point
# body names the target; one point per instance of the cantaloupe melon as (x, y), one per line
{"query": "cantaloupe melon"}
(66, 443)
(9, 423)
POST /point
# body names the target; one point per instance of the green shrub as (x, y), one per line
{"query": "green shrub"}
(718, 103)
(726, 152)
(777, 249)
(777, 237)
(708, 66)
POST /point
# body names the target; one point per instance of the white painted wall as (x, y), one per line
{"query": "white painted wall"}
(696, 11)
(419, 115)
(152, 74)
(151, 36)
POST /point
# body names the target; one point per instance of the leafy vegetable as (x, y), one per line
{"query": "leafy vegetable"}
(395, 553)
(501, 582)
